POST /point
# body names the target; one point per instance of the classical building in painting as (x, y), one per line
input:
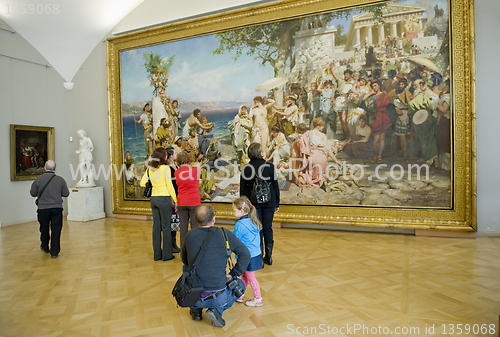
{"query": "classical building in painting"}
(401, 19)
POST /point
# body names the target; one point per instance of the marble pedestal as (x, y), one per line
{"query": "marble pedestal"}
(85, 204)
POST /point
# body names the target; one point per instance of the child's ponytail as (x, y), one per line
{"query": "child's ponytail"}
(253, 216)
(245, 205)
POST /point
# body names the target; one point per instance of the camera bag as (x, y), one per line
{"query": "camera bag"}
(188, 288)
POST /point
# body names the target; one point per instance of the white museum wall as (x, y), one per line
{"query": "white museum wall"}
(154, 12)
(85, 107)
(30, 94)
(89, 111)
(488, 116)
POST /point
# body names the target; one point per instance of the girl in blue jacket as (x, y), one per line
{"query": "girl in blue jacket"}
(247, 229)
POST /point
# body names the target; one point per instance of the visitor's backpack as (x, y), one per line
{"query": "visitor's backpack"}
(261, 192)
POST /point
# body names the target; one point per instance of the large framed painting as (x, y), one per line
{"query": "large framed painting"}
(365, 108)
(30, 147)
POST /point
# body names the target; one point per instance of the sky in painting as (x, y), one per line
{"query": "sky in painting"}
(197, 75)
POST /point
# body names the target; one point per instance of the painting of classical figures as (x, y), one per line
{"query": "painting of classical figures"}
(359, 108)
(30, 148)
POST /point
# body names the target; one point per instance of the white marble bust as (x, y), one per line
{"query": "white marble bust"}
(85, 156)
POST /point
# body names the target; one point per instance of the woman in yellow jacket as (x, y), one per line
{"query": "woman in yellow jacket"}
(163, 199)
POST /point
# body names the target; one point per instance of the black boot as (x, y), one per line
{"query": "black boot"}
(269, 252)
(175, 248)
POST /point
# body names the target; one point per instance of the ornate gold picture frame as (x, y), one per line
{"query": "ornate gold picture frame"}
(402, 33)
(30, 147)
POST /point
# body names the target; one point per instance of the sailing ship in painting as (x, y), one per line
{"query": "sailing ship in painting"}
(358, 105)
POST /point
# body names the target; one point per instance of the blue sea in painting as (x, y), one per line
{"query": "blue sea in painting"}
(132, 133)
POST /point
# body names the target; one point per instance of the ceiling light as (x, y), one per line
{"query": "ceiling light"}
(69, 85)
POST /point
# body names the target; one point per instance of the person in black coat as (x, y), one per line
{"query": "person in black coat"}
(265, 211)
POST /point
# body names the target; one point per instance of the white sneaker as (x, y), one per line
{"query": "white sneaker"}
(254, 302)
(240, 300)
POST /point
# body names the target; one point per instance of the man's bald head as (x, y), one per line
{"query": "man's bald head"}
(50, 165)
(204, 214)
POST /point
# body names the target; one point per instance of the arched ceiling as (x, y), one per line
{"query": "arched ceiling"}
(66, 31)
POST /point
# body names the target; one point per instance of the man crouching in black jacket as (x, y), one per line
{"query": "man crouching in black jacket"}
(211, 271)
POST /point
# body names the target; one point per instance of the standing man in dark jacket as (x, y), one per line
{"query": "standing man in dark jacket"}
(49, 190)
(211, 271)
(265, 211)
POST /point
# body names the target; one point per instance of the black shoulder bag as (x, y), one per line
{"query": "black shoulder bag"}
(43, 190)
(188, 288)
(148, 189)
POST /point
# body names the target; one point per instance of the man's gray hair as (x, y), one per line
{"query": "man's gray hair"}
(50, 165)
(204, 214)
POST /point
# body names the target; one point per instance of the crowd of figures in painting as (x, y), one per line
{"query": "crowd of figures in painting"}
(381, 99)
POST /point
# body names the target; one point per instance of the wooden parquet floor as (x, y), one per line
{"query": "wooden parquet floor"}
(105, 283)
